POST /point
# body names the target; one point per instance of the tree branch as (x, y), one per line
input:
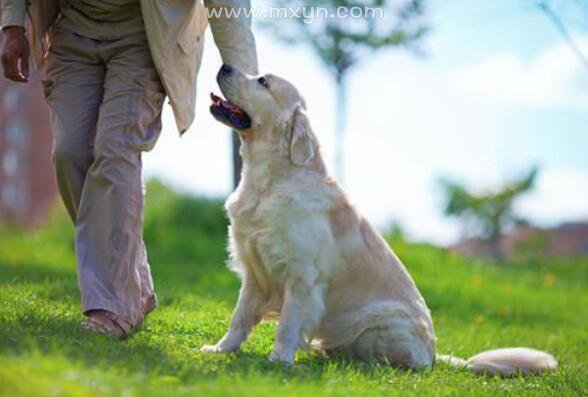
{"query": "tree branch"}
(561, 27)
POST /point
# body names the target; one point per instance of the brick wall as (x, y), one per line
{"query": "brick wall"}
(27, 182)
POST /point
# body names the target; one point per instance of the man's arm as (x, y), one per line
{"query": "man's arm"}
(15, 47)
(232, 33)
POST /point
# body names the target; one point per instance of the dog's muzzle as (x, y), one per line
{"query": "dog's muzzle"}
(224, 111)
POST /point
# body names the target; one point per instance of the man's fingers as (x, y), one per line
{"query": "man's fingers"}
(24, 66)
(8, 66)
(14, 71)
(11, 72)
(19, 78)
(15, 56)
(5, 62)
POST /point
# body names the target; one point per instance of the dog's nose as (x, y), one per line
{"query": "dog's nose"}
(226, 69)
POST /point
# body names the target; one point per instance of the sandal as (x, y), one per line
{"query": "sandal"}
(107, 323)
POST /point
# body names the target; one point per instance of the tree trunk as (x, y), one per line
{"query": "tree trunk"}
(237, 163)
(493, 247)
(340, 121)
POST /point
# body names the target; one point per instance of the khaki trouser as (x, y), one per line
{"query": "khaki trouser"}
(106, 100)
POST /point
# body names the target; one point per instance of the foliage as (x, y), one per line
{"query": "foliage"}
(489, 212)
(476, 305)
(342, 42)
(170, 220)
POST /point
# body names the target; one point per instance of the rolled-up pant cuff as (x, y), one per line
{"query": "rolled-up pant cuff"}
(114, 307)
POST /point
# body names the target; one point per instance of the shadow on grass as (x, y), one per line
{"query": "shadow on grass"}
(149, 354)
(54, 284)
(32, 272)
(219, 284)
(172, 281)
(161, 350)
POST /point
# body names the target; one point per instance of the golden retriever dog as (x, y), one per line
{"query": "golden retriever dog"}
(306, 255)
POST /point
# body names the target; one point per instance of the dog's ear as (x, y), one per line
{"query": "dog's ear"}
(302, 143)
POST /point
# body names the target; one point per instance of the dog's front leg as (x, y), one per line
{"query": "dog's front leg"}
(302, 309)
(246, 315)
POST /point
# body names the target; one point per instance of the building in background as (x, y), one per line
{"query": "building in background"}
(27, 182)
(527, 243)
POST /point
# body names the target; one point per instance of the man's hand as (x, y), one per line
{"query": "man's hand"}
(15, 54)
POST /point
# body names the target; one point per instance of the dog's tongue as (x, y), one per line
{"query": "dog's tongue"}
(218, 101)
(228, 112)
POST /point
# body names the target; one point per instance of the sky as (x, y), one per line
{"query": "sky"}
(497, 91)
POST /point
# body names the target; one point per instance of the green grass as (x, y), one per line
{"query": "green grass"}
(476, 305)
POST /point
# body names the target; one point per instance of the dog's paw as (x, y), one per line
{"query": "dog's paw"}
(282, 356)
(218, 348)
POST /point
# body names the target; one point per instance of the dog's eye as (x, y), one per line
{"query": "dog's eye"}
(263, 82)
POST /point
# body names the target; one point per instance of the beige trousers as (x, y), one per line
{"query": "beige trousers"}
(106, 100)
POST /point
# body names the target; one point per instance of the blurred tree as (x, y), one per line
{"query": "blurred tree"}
(342, 41)
(487, 213)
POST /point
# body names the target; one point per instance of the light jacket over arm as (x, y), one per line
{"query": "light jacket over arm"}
(230, 22)
(175, 32)
(41, 14)
(13, 13)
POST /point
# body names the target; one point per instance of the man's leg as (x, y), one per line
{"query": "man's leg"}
(113, 269)
(73, 81)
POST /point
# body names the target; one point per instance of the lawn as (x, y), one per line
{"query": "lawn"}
(476, 305)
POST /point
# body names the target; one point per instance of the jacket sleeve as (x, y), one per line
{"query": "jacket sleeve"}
(230, 22)
(13, 13)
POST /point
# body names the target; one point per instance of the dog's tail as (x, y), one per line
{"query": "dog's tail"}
(505, 362)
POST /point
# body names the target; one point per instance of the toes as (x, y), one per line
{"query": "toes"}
(211, 349)
(218, 348)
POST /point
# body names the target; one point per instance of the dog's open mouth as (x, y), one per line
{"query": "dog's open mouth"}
(229, 113)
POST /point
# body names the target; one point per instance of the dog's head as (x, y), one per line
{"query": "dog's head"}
(268, 113)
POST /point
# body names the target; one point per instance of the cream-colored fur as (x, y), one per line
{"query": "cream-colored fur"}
(304, 252)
